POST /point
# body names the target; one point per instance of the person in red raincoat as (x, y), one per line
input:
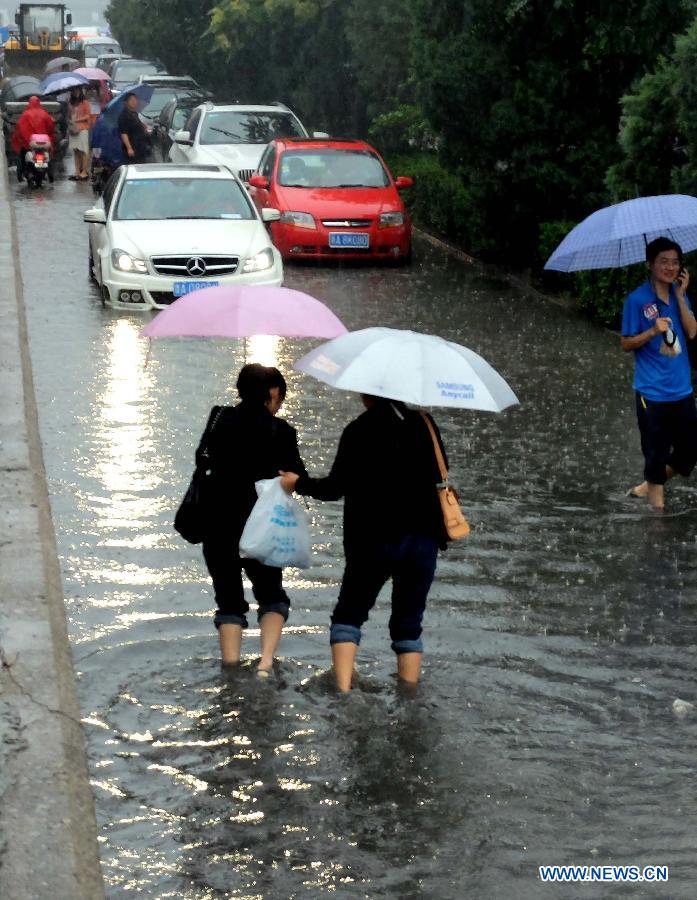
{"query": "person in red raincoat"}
(34, 120)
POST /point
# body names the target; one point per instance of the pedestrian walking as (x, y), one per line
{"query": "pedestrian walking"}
(241, 445)
(386, 471)
(79, 122)
(133, 132)
(657, 322)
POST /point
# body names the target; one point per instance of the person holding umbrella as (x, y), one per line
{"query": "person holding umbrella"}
(241, 445)
(388, 471)
(657, 321)
(133, 133)
(79, 122)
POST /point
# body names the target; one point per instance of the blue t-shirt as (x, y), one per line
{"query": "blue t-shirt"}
(657, 376)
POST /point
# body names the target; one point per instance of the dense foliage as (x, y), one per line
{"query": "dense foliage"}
(508, 111)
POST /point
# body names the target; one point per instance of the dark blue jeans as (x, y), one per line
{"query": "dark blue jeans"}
(668, 436)
(411, 564)
(225, 568)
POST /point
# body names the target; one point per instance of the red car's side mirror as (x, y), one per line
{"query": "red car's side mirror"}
(403, 182)
(258, 181)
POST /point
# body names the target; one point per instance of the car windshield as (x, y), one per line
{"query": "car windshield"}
(101, 49)
(240, 127)
(332, 169)
(160, 98)
(182, 198)
(128, 72)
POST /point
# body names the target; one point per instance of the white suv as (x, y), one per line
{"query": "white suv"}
(160, 231)
(233, 136)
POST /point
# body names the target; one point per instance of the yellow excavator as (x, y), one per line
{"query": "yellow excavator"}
(39, 38)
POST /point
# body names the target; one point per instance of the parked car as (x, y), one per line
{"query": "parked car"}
(161, 96)
(95, 47)
(160, 231)
(105, 61)
(177, 81)
(127, 70)
(233, 135)
(172, 119)
(337, 198)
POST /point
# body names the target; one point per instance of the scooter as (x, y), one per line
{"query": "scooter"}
(37, 163)
(101, 170)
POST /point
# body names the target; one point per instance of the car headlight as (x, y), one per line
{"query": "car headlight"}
(124, 262)
(299, 219)
(390, 219)
(260, 261)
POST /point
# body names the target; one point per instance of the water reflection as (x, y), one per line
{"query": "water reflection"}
(126, 452)
(264, 348)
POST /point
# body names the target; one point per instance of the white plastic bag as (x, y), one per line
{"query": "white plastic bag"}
(277, 532)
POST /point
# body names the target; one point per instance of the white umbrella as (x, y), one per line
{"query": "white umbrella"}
(404, 365)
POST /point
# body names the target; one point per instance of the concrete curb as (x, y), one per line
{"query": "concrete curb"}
(517, 281)
(48, 831)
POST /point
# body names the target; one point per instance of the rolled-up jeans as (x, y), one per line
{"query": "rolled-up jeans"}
(225, 567)
(410, 562)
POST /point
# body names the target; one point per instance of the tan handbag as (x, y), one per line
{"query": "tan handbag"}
(456, 525)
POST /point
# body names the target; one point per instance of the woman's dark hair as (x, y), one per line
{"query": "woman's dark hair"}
(76, 96)
(255, 382)
(660, 245)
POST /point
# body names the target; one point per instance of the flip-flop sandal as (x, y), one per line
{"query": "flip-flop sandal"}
(73, 178)
(633, 495)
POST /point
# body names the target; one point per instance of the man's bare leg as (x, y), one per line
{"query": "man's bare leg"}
(409, 667)
(656, 495)
(230, 642)
(271, 625)
(343, 658)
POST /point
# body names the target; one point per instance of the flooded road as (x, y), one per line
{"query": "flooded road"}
(557, 636)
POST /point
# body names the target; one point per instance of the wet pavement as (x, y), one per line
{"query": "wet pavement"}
(558, 635)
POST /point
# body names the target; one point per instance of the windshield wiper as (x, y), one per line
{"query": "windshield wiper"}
(355, 185)
(191, 217)
(228, 133)
(284, 184)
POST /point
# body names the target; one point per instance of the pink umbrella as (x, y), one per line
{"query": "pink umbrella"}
(243, 311)
(92, 74)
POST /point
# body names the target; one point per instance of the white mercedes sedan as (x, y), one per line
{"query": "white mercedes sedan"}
(160, 231)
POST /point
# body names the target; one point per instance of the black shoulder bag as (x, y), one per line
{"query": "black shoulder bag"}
(193, 513)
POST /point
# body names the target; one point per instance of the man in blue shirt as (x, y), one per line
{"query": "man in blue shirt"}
(657, 322)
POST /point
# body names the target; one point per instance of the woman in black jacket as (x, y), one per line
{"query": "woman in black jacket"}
(241, 445)
(386, 470)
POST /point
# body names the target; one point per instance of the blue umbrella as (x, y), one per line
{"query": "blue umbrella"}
(143, 92)
(61, 81)
(617, 235)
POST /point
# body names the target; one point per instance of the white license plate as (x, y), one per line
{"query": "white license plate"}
(359, 239)
(40, 165)
(186, 287)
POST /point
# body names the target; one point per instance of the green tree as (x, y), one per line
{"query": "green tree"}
(648, 138)
(173, 31)
(525, 96)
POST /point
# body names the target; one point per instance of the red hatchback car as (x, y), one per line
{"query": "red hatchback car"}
(337, 198)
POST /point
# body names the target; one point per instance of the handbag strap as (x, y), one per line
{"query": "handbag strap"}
(436, 447)
(216, 413)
